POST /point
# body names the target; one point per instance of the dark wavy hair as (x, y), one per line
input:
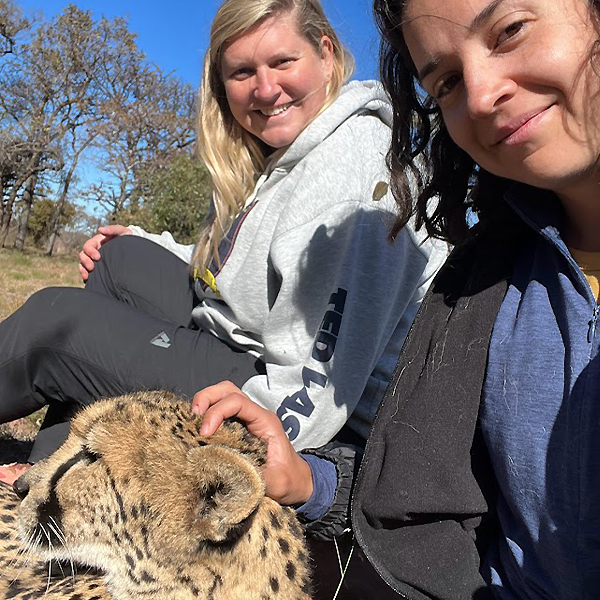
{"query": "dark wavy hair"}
(421, 148)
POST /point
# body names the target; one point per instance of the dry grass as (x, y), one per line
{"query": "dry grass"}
(23, 273)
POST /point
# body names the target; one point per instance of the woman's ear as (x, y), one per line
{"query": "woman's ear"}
(327, 57)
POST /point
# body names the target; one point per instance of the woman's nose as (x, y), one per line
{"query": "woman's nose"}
(487, 88)
(267, 86)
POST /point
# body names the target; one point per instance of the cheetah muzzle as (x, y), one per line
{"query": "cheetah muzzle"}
(138, 505)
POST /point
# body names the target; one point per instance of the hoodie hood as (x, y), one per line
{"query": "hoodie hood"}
(356, 97)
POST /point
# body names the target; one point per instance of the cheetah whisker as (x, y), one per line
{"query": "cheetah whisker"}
(54, 526)
(49, 562)
(49, 578)
(50, 546)
(32, 543)
(26, 553)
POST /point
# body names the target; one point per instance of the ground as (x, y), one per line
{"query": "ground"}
(23, 273)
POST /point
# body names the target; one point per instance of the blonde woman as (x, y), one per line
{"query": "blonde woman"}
(293, 292)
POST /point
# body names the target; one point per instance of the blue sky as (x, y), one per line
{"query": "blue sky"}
(174, 34)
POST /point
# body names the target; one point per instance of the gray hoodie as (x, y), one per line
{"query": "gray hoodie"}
(308, 281)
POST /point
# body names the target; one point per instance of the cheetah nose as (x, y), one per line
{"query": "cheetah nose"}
(21, 487)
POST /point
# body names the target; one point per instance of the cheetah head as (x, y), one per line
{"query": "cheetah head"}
(136, 480)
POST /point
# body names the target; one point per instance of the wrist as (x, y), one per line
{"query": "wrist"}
(324, 475)
(301, 486)
(308, 483)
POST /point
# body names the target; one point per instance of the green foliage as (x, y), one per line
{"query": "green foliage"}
(177, 199)
(42, 218)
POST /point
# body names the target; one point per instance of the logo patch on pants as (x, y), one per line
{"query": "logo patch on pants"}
(161, 340)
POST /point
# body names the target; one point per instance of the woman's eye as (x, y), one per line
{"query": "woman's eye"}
(446, 86)
(509, 32)
(240, 73)
(283, 62)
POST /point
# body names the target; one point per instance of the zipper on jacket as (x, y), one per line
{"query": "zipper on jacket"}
(592, 327)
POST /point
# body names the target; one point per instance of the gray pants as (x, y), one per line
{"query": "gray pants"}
(128, 330)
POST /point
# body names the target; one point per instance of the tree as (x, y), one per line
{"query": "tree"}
(72, 86)
(149, 117)
(24, 160)
(57, 219)
(43, 216)
(53, 85)
(12, 153)
(178, 199)
(66, 58)
(11, 24)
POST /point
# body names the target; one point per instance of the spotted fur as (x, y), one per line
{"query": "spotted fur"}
(137, 505)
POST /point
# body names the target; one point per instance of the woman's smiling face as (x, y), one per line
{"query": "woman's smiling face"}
(275, 80)
(515, 84)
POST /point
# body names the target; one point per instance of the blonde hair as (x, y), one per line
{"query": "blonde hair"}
(233, 156)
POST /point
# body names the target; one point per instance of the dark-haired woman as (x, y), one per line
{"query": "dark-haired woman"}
(481, 475)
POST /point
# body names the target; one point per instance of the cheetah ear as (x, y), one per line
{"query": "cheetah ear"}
(229, 489)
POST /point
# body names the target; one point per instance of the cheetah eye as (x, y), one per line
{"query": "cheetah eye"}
(89, 455)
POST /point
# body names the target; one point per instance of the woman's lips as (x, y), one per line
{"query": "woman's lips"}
(274, 111)
(519, 129)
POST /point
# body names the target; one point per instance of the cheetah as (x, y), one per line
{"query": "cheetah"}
(136, 504)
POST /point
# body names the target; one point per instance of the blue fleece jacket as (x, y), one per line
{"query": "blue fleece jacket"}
(540, 417)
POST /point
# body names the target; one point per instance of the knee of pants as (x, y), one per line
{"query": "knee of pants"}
(121, 246)
(120, 260)
(123, 256)
(117, 255)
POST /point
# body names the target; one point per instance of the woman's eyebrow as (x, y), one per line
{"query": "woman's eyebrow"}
(479, 19)
(428, 68)
(484, 15)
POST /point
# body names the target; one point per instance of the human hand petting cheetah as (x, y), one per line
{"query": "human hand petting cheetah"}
(288, 477)
(90, 253)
